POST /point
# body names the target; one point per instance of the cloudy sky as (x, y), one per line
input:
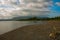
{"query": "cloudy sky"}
(53, 6)
(12, 8)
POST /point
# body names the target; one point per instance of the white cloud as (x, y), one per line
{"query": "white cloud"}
(35, 7)
(35, 4)
(50, 3)
(58, 3)
(25, 8)
(41, 0)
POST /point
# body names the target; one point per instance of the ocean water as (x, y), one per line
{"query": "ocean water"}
(6, 26)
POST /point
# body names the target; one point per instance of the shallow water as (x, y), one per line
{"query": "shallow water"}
(6, 26)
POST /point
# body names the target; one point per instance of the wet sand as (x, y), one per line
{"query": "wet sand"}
(32, 32)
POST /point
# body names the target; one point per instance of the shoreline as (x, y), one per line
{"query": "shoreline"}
(32, 32)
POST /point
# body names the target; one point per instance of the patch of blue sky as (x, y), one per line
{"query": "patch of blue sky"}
(56, 1)
(55, 9)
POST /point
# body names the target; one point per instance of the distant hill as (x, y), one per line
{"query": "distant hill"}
(16, 18)
(29, 18)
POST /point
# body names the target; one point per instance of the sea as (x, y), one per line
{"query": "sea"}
(6, 26)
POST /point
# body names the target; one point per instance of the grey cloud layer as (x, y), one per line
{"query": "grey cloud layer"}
(26, 8)
(35, 7)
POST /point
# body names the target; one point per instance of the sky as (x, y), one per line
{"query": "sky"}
(14, 8)
(56, 5)
(55, 8)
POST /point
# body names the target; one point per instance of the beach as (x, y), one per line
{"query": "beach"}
(32, 32)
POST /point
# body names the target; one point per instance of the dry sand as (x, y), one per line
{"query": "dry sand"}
(32, 32)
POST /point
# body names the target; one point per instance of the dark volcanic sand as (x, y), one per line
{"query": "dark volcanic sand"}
(32, 32)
